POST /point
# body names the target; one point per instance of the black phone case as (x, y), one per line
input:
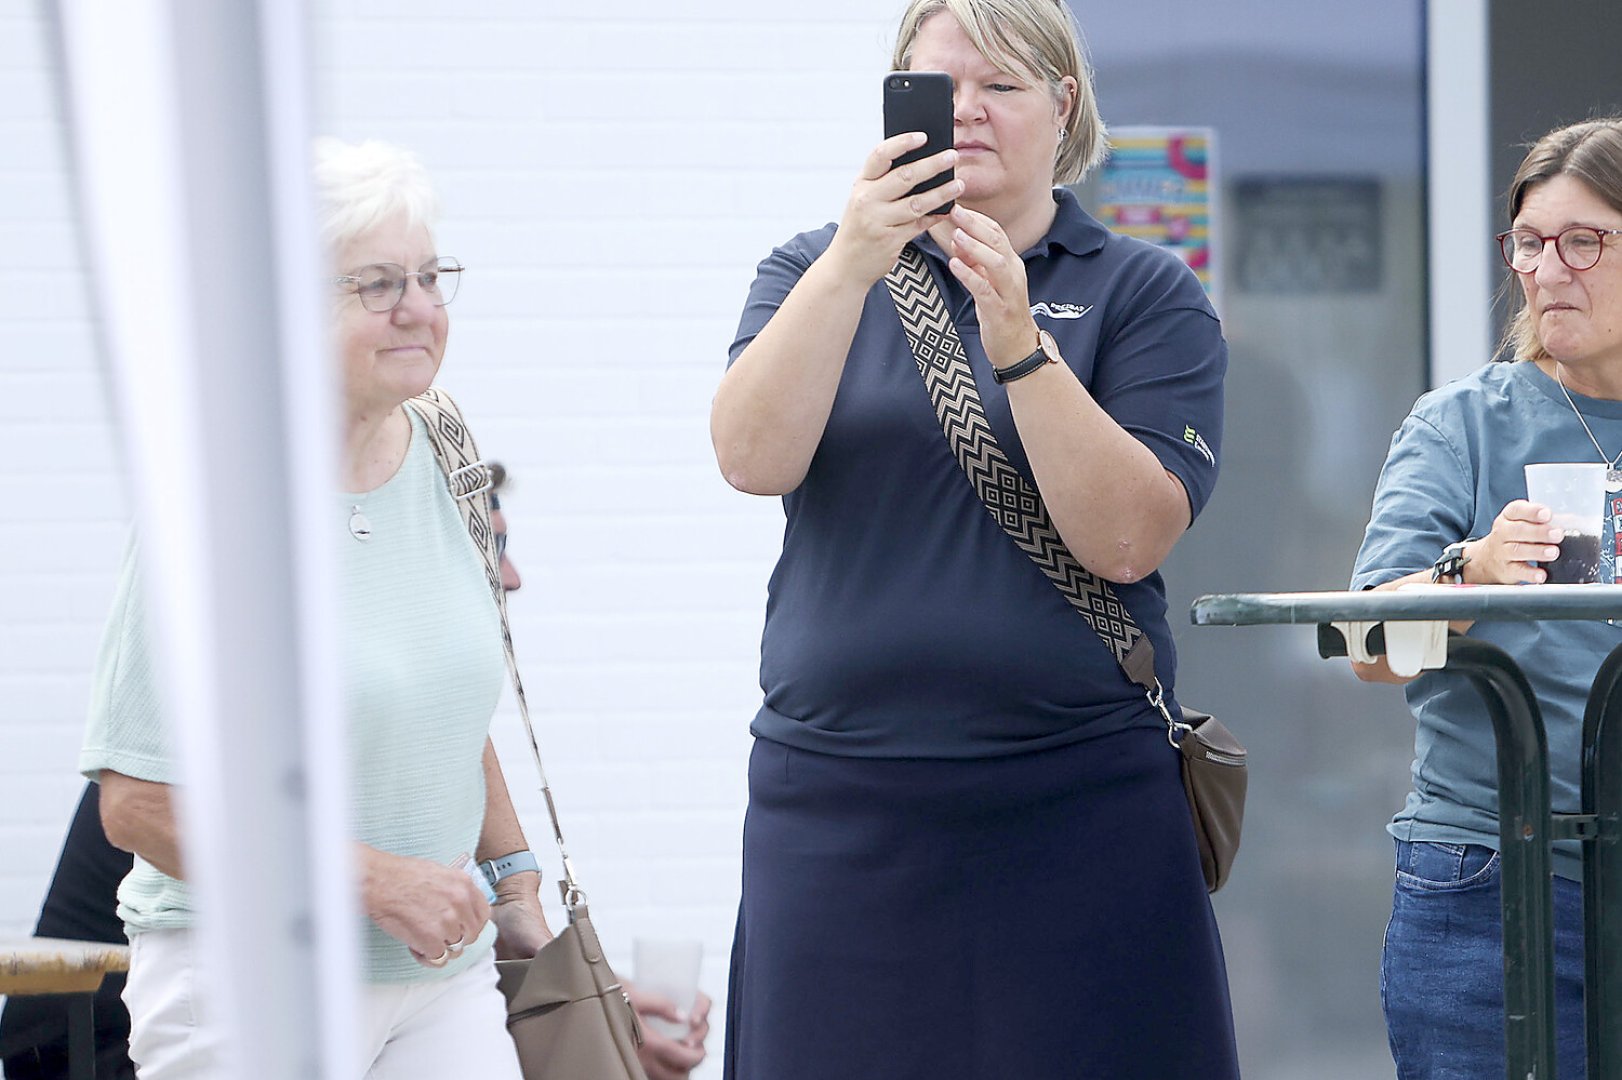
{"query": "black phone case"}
(920, 101)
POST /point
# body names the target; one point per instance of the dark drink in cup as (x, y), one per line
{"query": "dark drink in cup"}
(1578, 563)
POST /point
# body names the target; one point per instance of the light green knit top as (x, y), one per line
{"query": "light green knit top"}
(423, 668)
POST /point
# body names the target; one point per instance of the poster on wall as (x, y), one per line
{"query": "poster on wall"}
(1157, 186)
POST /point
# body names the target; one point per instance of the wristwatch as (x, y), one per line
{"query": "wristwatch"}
(1047, 352)
(505, 867)
(1451, 563)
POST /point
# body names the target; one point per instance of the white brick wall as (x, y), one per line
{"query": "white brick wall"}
(610, 174)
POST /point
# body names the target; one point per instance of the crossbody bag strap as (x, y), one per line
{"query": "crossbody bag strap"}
(470, 480)
(1013, 502)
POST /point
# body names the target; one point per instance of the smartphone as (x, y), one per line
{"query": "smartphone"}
(921, 101)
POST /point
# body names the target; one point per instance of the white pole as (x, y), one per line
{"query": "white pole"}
(189, 128)
(1459, 169)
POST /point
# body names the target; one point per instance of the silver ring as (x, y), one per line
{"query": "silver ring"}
(454, 947)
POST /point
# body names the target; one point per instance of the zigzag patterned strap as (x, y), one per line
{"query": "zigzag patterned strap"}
(469, 480)
(1013, 503)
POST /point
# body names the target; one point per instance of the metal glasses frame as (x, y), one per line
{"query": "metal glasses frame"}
(437, 268)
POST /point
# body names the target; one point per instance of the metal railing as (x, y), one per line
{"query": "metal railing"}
(1527, 825)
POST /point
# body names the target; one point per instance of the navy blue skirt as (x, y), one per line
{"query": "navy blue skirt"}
(1036, 916)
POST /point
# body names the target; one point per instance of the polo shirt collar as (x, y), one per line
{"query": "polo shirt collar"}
(1073, 230)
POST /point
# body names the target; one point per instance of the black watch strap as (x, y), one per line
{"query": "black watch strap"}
(1021, 369)
(1450, 564)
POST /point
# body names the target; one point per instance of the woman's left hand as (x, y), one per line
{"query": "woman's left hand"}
(662, 1057)
(521, 927)
(986, 263)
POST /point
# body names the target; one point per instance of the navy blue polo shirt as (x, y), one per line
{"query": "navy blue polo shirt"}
(901, 621)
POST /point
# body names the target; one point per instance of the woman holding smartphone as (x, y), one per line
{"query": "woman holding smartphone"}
(968, 851)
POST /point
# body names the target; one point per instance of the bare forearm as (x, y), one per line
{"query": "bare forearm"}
(1117, 508)
(502, 834)
(773, 404)
(521, 927)
(138, 816)
(1380, 669)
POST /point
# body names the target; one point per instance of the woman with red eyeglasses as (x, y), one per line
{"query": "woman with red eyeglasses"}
(1451, 506)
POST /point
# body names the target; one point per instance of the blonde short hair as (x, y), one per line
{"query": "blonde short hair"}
(360, 186)
(1590, 152)
(1039, 38)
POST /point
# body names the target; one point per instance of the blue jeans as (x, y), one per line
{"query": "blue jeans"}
(1442, 975)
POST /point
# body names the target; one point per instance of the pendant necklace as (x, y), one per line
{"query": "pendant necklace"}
(1613, 476)
(361, 529)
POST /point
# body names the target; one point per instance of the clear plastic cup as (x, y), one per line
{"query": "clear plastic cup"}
(668, 967)
(1574, 492)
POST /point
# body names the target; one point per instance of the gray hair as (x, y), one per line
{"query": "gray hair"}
(360, 186)
(1039, 37)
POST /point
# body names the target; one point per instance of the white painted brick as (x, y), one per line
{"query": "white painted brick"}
(28, 295)
(49, 646)
(66, 404)
(34, 195)
(82, 448)
(38, 487)
(28, 140)
(65, 547)
(23, 97)
(22, 45)
(45, 347)
(46, 244)
(57, 698)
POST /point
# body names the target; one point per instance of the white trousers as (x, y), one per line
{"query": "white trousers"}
(409, 1031)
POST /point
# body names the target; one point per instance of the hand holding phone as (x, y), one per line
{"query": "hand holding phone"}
(921, 101)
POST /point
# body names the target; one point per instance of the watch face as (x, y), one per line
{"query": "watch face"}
(1045, 341)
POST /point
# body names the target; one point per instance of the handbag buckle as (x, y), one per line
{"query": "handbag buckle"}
(569, 888)
(1175, 729)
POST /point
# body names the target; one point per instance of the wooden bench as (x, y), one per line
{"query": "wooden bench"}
(55, 966)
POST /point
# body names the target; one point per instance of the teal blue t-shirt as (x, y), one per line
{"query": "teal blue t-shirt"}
(423, 671)
(1454, 463)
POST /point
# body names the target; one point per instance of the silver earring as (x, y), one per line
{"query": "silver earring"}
(1063, 134)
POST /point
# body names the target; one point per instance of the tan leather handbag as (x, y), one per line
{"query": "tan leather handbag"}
(1213, 762)
(566, 1011)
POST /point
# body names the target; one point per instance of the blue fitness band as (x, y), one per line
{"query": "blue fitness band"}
(519, 862)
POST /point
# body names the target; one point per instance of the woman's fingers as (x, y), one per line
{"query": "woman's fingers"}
(1521, 510)
(977, 252)
(987, 265)
(442, 932)
(982, 228)
(1520, 536)
(436, 911)
(896, 182)
(883, 214)
(883, 156)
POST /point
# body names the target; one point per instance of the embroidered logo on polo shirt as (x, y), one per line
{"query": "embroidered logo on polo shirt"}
(1060, 311)
(1197, 441)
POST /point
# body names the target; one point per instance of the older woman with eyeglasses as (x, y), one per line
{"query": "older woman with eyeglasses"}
(1451, 506)
(424, 670)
